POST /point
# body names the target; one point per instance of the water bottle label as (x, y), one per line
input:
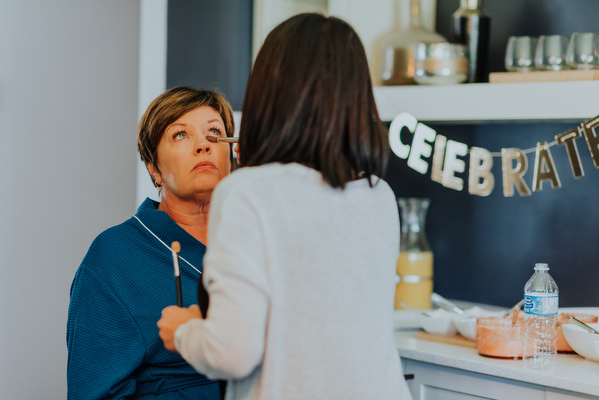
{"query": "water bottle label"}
(541, 305)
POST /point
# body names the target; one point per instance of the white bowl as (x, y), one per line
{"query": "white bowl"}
(465, 324)
(437, 322)
(582, 342)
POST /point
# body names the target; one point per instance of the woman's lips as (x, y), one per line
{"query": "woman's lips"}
(204, 165)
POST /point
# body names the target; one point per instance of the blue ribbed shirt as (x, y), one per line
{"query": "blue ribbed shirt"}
(117, 296)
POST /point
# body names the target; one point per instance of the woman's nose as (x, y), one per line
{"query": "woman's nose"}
(203, 146)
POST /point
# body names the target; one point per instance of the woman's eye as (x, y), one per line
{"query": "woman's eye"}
(214, 132)
(180, 135)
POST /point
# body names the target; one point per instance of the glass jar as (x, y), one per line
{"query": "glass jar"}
(415, 262)
(398, 49)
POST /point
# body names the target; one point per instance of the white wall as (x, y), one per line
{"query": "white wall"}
(68, 116)
(270, 13)
(152, 75)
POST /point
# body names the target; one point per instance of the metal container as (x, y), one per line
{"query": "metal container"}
(472, 27)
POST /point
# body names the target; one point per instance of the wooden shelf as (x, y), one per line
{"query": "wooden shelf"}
(491, 102)
(545, 76)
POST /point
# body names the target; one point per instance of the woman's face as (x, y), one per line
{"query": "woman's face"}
(190, 165)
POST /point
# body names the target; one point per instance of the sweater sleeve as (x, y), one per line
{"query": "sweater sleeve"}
(229, 343)
(104, 343)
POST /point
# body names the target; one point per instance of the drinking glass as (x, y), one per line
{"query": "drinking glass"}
(583, 50)
(550, 54)
(520, 53)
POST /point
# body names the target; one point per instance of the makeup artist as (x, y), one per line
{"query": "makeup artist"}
(304, 239)
(127, 278)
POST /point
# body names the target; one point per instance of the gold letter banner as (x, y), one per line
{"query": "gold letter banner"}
(448, 158)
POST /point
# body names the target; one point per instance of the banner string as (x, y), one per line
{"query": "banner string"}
(527, 151)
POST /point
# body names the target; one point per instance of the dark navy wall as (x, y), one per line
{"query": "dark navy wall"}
(209, 45)
(485, 247)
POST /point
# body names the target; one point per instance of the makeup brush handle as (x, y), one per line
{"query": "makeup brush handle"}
(229, 139)
(179, 293)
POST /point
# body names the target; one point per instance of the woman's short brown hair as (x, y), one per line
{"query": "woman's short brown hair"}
(169, 107)
(309, 100)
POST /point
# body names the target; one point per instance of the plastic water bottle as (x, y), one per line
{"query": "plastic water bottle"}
(541, 299)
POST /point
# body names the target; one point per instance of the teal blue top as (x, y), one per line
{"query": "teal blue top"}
(117, 296)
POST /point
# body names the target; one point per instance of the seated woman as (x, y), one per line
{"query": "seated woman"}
(126, 277)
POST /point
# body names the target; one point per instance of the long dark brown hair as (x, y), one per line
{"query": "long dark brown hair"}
(309, 100)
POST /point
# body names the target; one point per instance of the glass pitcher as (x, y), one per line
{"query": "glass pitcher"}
(415, 262)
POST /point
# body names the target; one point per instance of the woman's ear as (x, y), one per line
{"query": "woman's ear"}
(155, 174)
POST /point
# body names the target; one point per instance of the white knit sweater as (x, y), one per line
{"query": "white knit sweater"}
(301, 279)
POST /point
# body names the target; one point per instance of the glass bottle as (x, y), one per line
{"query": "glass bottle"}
(472, 27)
(415, 261)
(398, 49)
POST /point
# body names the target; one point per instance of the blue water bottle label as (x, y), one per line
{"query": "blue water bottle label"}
(541, 304)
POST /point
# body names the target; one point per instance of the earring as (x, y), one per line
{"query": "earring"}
(158, 185)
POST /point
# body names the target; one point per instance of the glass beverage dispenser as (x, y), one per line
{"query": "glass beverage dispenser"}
(415, 263)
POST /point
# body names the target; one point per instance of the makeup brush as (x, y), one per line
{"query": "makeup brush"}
(228, 139)
(176, 248)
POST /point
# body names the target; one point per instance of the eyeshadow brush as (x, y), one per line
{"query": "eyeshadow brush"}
(228, 139)
(176, 248)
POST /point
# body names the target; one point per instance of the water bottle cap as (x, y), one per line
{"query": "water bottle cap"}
(541, 267)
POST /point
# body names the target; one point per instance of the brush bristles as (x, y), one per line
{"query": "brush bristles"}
(176, 247)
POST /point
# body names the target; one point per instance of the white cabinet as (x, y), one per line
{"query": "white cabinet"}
(434, 382)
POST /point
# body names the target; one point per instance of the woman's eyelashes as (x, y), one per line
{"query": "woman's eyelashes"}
(215, 132)
(180, 135)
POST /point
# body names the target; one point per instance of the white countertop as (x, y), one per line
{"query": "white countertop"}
(573, 372)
